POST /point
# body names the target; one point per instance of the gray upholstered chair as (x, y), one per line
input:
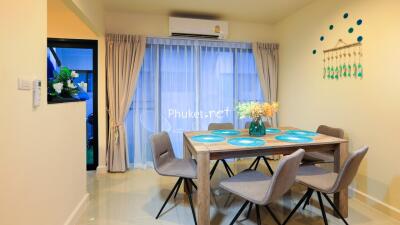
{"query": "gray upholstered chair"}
(261, 190)
(221, 126)
(258, 158)
(326, 182)
(311, 158)
(166, 164)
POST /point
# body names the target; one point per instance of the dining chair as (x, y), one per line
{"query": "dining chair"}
(325, 182)
(166, 164)
(261, 190)
(221, 126)
(311, 158)
(258, 158)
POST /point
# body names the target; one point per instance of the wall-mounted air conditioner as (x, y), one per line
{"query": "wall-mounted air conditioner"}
(199, 28)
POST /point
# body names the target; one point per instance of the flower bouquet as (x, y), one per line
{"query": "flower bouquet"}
(257, 111)
(64, 88)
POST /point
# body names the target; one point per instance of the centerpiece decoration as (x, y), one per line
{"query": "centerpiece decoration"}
(257, 111)
(63, 87)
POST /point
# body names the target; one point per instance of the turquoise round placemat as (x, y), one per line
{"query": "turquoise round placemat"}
(246, 142)
(302, 133)
(208, 138)
(272, 131)
(294, 138)
(226, 132)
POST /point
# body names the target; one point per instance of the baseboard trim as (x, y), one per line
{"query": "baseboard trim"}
(78, 211)
(376, 204)
(101, 169)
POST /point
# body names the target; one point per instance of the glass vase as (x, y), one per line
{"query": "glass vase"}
(257, 128)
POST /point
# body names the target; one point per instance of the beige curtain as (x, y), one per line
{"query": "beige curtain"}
(267, 61)
(124, 57)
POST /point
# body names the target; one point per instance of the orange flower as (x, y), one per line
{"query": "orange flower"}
(275, 107)
(267, 110)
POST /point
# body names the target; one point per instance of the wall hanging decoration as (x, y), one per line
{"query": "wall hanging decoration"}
(343, 60)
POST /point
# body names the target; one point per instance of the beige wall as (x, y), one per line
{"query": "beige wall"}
(368, 110)
(66, 20)
(42, 153)
(89, 11)
(62, 22)
(157, 25)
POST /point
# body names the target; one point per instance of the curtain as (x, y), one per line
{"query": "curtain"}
(124, 57)
(184, 85)
(267, 59)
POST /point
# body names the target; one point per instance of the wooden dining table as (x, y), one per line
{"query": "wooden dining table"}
(205, 152)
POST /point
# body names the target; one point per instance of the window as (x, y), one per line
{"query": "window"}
(184, 85)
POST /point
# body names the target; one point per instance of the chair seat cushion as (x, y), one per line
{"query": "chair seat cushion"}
(179, 168)
(318, 157)
(249, 184)
(316, 178)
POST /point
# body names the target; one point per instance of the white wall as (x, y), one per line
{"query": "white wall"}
(42, 151)
(368, 110)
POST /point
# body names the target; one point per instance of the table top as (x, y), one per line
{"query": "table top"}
(270, 141)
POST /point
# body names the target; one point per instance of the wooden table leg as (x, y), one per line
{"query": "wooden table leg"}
(187, 155)
(341, 199)
(203, 193)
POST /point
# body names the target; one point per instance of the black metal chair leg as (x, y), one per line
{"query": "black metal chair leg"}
(177, 189)
(273, 215)
(252, 164)
(227, 168)
(248, 212)
(307, 202)
(258, 161)
(190, 201)
(169, 196)
(194, 185)
(334, 208)
(258, 215)
(321, 205)
(240, 212)
(297, 206)
(268, 166)
(213, 169)
(233, 174)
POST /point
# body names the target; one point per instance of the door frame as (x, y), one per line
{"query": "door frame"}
(87, 44)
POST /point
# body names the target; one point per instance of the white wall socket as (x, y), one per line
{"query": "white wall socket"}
(24, 84)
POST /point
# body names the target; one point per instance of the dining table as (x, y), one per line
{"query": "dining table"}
(232, 144)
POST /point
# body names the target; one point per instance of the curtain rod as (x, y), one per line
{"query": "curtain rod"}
(200, 39)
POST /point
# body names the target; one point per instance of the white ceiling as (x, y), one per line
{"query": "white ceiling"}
(259, 11)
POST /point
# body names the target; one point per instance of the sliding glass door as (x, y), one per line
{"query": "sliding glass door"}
(185, 85)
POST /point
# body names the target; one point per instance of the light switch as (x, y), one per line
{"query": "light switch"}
(24, 84)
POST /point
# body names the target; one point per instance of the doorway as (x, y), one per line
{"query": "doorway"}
(79, 56)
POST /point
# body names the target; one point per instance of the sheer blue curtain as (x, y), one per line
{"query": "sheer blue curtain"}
(185, 85)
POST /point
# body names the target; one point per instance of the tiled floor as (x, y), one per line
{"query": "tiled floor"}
(136, 196)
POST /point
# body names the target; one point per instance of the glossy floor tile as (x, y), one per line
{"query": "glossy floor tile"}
(136, 196)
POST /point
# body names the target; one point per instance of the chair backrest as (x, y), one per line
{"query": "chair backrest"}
(284, 176)
(220, 126)
(247, 124)
(162, 150)
(349, 169)
(330, 131)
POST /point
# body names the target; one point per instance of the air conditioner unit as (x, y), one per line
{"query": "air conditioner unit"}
(199, 28)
